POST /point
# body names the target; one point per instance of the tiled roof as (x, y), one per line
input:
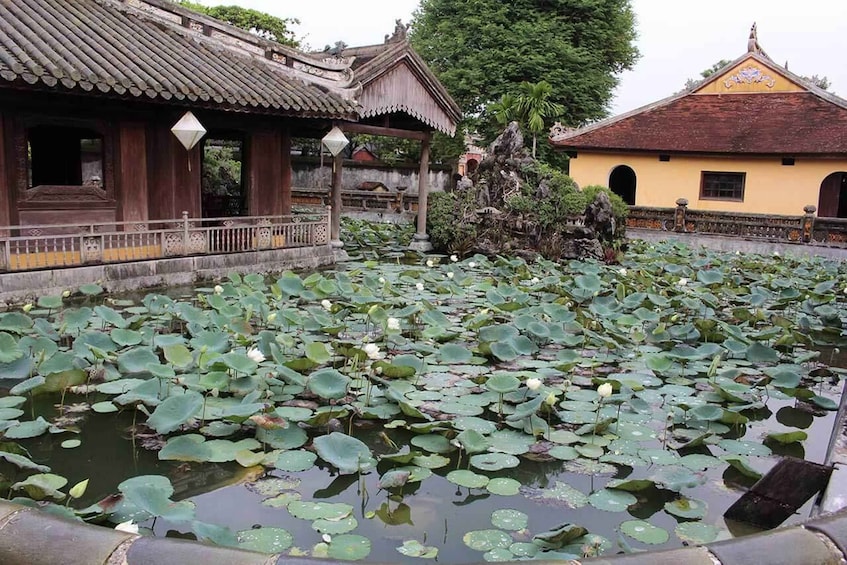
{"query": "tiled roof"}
(155, 50)
(810, 122)
(395, 79)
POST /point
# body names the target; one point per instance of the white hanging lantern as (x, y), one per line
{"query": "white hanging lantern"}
(188, 130)
(335, 141)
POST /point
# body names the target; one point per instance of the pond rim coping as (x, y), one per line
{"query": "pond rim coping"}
(29, 536)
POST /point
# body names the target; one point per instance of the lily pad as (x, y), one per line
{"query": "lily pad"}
(486, 540)
(508, 519)
(503, 486)
(310, 510)
(295, 460)
(644, 532)
(689, 508)
(467, 479)
(494, 461)
(349, 547)
(347, 453)
(265, 540)
(413, 548)
(696, 533)
(611, 500)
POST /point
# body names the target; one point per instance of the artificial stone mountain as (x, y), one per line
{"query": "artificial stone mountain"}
(514, 204)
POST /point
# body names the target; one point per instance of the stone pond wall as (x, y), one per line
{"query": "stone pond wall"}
(307, 173)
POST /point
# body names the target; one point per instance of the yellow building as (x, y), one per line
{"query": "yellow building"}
(753, 137)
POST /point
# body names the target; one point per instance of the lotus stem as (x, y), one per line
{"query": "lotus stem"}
(596, 419)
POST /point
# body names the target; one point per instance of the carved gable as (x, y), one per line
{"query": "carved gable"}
(751, 74)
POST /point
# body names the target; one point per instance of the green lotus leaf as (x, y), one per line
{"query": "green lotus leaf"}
(497, 332)
(740, 464)
(413, 548)
(707, 413)
(328, 384)
(239, 362)
(151, 494)
(699, 461)
(676, 478)
(49, 302)
(265, 540)
(136, 360)
(788, 437)
(393, 479)
(15, 322)
(564, 452)
(335, 527)
(296, 460)
(472, 441)
(105, 407)
(190, 447)
(689, 508)
(178, 355)
(451, 354)
(744, 447)
(630, 485)
(433, 461)
(696, 533)
(511, 442)
(124, 337)
(759, 353)
(590, 450)
(503, 486)
(70, 443)
(494, 461)
(26, 430)
(824, 402)
(524, 549)
(467, 479)
(611, 500)
(311, 510)
(9, 348)
(508, 519)
(42, 486)
(346, 453)
(558, 537)
(560, 493)
(349, 547)
(786, 379)
(317, 352)
(644, 532)
(175, 411)
(22, 462)
(486, 540)
(433, 443)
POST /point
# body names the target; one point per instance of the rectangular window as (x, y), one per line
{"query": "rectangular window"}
(722, 186)
(64, 156)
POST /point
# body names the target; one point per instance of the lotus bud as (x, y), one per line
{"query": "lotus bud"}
(381, 280)
(683, 281)
(535, 280)
(373, 309)
(78, 489)
(566, 384)
(271, 317)
(454, 258)
(533, 384)
(450, 275)
(471, 264)
(429, 263)
(393, 324)
(622, 272)
(28, 306)
(551, 399)
(215, 392)
(66, 294)
(605, 390)
(327, 305)
(419, 286)
(218, 289)
(327, 538)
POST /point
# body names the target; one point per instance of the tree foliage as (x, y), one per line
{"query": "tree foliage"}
(483, 49)
(262, 24)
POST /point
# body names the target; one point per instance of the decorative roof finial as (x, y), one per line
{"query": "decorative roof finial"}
(400, 32)
(753, 42)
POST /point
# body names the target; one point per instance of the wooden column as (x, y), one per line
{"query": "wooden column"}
(7, 188)
(335, 220)
(132, 171)
(187, 179)
(421, 239)
(265, 173)
(285, 180)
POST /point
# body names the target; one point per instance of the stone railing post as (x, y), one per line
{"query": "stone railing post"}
(808, 222)
(679, 215)
(185, 242)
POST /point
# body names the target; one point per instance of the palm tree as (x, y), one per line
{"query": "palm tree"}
(504, 110)
(534, 107)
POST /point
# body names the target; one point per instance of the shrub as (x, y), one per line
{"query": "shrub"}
(445, 220)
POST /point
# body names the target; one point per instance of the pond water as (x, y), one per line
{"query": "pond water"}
(468, 389)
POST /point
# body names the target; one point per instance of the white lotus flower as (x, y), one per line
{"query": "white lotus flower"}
(450, 275)
(327, 538)
(683, 281)
(218, 289)
(327, 305)
(605, 390)
(535, 280)
(28, 306)
(255, 355)
(419, 286)
(533, 384)
(776, 253)
(622, 272)
(429, 263)
(471, 264)
(381, 280)
(373, 352)
(393, 324)
(454, 258)
(127, 527)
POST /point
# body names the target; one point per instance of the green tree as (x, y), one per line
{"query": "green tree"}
(535, 107)
(254, 21)
(483, 49)
(707, 73)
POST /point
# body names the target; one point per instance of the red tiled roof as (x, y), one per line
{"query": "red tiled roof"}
(795, 123)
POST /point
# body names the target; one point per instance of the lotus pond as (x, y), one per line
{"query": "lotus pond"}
(406, 407)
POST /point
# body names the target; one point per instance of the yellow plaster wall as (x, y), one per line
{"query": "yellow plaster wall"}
(770, 187)
(772, 81)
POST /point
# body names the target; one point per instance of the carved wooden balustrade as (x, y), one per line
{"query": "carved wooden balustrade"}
(358, 200)
(25, 248)
(805, 228)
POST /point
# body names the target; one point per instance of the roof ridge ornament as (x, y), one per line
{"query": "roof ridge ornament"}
(401, 31)
(753, 45)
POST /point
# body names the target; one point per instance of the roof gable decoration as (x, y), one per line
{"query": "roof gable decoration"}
(334, 73)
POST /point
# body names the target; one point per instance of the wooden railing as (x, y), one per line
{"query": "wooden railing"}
(358, 200)
(805, 228)
(66, 245)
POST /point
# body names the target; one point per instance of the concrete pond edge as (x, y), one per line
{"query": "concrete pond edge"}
(29, 536)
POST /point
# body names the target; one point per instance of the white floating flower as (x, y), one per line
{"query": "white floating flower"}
(454, 258)
(605, 390)
(393, 324)
(127, 527)
(218, 289)
(255, 355)
(381, 280)
(683, 281)
(776, 253)
(471, 264)
(419, 286)
(373, 352)
(327, 538)
(622, 272)
(327, 305)
(429, 263)
(535, 280)
(533, 384)
(450, 275)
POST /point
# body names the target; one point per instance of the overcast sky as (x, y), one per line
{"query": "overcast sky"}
(677, 38)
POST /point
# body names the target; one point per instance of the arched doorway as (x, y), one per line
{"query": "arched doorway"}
(832, 202)
(622, 183)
